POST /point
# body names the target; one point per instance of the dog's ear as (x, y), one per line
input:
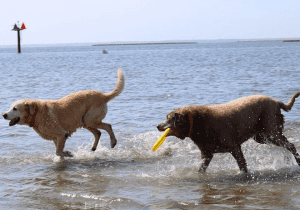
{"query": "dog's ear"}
(176, 115)
(176, 119)
(182, 125)
(31, 108)
(180, 119)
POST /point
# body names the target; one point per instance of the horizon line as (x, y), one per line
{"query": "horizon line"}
(150, 42)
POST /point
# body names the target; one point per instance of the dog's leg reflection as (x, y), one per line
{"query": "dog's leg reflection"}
(61, 165)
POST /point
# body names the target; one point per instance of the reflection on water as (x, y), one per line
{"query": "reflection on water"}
(158, 180)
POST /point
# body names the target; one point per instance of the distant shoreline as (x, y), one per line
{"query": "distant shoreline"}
(275, 40)
(200, 41)
(296, 40)
(143, 43)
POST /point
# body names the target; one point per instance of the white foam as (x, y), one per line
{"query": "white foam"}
(175, 158)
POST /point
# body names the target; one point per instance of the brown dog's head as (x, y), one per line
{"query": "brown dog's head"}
(179, 123)
(21, 112)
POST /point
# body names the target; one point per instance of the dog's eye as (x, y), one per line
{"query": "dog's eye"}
(15, 109)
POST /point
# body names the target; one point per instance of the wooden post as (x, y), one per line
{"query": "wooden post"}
(18, 29)
(19, 42)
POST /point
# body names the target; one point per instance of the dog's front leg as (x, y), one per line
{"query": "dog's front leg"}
(60, 145)
(238, 155)
(205, 163)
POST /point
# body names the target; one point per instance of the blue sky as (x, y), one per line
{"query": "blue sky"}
(94, 21)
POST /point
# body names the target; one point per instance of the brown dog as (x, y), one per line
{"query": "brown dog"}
(56, 120)
(224, 127)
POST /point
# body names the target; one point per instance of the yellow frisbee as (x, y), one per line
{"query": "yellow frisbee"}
(160, 140)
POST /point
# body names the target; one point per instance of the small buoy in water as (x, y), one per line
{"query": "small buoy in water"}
(160, 140)
(104, 52)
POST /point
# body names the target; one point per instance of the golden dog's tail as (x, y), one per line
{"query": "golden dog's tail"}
(119, 88)
(287, 107)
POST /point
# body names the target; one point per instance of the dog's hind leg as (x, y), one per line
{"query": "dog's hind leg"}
(97, 135)
(92, 127)
(283, 142)
(238, 155)
(277, 138)
(107, 127)
(93, 120)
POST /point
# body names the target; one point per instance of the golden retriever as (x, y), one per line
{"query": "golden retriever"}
(56, 120)
(224, 127)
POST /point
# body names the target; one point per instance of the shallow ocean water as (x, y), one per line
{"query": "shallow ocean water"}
(158, 79)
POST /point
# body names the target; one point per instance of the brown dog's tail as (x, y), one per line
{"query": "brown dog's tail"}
(287, 107)
(120, 87)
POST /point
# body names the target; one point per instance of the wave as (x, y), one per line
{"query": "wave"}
(175, 158)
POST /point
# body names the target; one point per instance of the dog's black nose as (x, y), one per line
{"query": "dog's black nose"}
(159, 127)
(5, 116)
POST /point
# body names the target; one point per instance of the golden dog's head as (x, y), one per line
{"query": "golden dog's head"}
(21, 112)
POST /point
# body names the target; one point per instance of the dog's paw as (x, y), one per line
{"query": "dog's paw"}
(113, 143)
(67, 154)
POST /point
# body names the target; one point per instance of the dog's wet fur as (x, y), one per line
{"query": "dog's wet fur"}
(224, 127)
(56, 120)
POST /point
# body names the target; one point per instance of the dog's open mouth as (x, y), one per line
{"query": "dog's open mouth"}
(171, 132)
(14, 121)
